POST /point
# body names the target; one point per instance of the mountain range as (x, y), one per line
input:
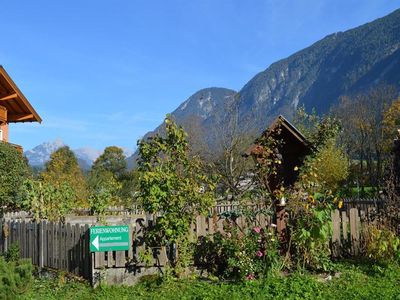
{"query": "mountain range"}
(40, 154)
(342, 63)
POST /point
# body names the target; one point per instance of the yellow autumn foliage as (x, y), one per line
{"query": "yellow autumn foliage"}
(62, 169)
(391, 124)
(330, 167)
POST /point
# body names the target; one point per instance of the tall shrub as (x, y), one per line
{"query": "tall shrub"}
(172, 183)
(13, 171)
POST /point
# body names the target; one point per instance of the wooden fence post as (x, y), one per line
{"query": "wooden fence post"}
(69, 246)
(281, 222)
(45, 244)
(131, 237)
(41, 245)
(345, 222)
(87, 258)
(336, 233)
(5, 232)
(354, 230)
(21, 238)
(93, 273)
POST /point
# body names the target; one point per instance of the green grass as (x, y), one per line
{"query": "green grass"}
(357, 281)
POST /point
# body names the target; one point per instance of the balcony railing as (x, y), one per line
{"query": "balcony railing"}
(3, 114)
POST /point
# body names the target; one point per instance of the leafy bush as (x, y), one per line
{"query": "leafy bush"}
(239, 254)
(15, 278)
(331, 166)
(172, 182)
(13, 171)
(310, 236)
(381, 244)
(146, 257)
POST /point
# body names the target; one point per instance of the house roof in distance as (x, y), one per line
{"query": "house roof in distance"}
(18, 107)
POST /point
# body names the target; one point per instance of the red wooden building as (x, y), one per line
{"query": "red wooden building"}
(292, 150)
(14, 107)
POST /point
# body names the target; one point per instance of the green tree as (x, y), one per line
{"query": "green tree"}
(364, 133)
(391, 124)
(129, 188)
(173, 184)
(63, 169)
(104, 190)
(109, 181)
(112, 160)
(317, 130)
(13, 171)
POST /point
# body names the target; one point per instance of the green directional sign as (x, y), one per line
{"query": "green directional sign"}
(109, 238)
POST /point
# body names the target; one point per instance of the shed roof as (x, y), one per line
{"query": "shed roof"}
(18, 107)
(286, 125)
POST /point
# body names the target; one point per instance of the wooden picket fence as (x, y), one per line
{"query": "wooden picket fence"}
(346, 234)
(65, 246)
(49, 244)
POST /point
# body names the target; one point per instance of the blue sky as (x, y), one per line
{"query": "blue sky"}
(104, 73)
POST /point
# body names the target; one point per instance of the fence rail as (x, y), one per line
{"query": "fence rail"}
(133, 211)
(363, 204)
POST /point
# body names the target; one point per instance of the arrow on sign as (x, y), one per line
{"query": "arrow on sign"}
(95, 242)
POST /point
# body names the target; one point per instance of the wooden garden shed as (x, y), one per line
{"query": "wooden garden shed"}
(293, 147)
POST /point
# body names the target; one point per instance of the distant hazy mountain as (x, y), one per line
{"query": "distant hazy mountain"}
(339, 64)
(127, 152)
(40, 154)
(87, 154)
